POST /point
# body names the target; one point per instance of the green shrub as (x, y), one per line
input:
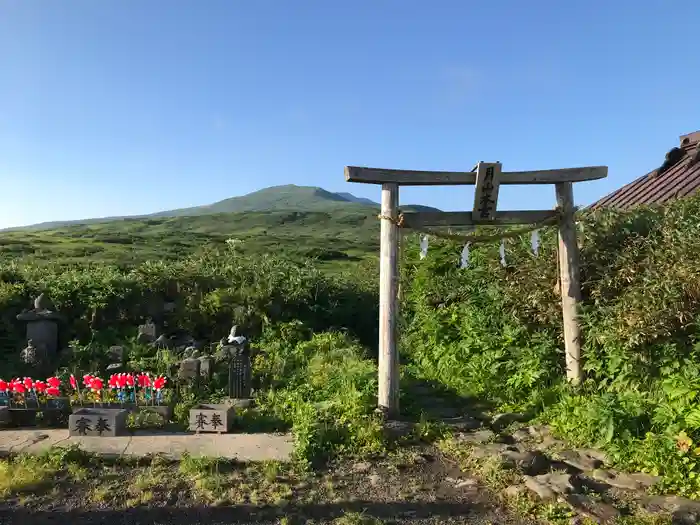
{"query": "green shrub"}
(496, 332)
(325, 387)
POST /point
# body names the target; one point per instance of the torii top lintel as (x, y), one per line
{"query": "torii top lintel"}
(436, 178)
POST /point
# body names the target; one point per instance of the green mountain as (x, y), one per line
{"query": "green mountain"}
(275, 198)
(289, 197)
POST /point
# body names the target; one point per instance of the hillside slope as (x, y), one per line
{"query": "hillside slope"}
(288, 197)
(275, 198)
(341, 236)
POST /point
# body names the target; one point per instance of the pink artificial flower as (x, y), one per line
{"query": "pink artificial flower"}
(87, 379)
(159, 382)
(96, 384)
(73, 382)
(53, 391)
(144, 380)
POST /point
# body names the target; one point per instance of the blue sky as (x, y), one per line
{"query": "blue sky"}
(117, 107)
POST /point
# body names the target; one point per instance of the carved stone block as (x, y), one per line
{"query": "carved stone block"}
(4, 416)
(100, 422)
(211, 418)
(189, 368)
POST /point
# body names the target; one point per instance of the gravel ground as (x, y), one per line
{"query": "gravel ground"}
(420, 486)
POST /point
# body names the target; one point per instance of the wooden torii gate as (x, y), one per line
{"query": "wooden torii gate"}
(487, 177)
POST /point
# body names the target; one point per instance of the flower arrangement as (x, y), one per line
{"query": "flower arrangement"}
(135, 388)
(20, 392)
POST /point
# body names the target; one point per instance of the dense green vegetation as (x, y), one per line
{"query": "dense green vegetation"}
(487, 332)
(495, 333)
(330, 238)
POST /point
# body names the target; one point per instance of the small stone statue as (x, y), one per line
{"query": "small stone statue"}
(189, 368)
(162, 342)
(29, 355)
(206, 366)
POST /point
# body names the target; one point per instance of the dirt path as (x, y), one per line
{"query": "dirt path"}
(415, 486)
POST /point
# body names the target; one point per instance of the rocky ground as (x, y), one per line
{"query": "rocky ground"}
(530, 465)
(415, 485)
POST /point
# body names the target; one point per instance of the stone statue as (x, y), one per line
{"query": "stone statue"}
(162, 342)
(236, 352)
(41, 332)
(29, 355)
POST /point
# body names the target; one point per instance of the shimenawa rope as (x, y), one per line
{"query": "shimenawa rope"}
(471, 238)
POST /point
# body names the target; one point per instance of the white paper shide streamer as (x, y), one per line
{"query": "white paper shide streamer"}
(502, 252)
(465, 257)
(535, 242)
(423, 246)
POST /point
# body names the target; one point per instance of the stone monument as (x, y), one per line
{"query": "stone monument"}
(236, 351)
(41, 333)
(148, 332)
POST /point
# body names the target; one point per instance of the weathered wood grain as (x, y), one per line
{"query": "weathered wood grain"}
(570, 285)
(388, 398)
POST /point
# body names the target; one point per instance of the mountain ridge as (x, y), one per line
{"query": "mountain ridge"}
(288, 197)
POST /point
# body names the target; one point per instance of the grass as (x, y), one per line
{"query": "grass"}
(86, 482)
(24, 474)
(336, 240)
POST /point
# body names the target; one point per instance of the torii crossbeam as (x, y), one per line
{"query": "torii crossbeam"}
(487, 177)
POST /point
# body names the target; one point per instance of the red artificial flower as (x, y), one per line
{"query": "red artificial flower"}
(54, 382)
(159, 382)
(40, 387)
(28, 383)
(144, 380)
(4, 386)
(53, 391)
(18, 387)
(87, 379)
(73, 382)
(121, 380)
(130, 380)
(112, 381)
(96, 384)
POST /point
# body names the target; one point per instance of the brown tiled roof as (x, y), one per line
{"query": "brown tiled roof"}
(679, 180)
